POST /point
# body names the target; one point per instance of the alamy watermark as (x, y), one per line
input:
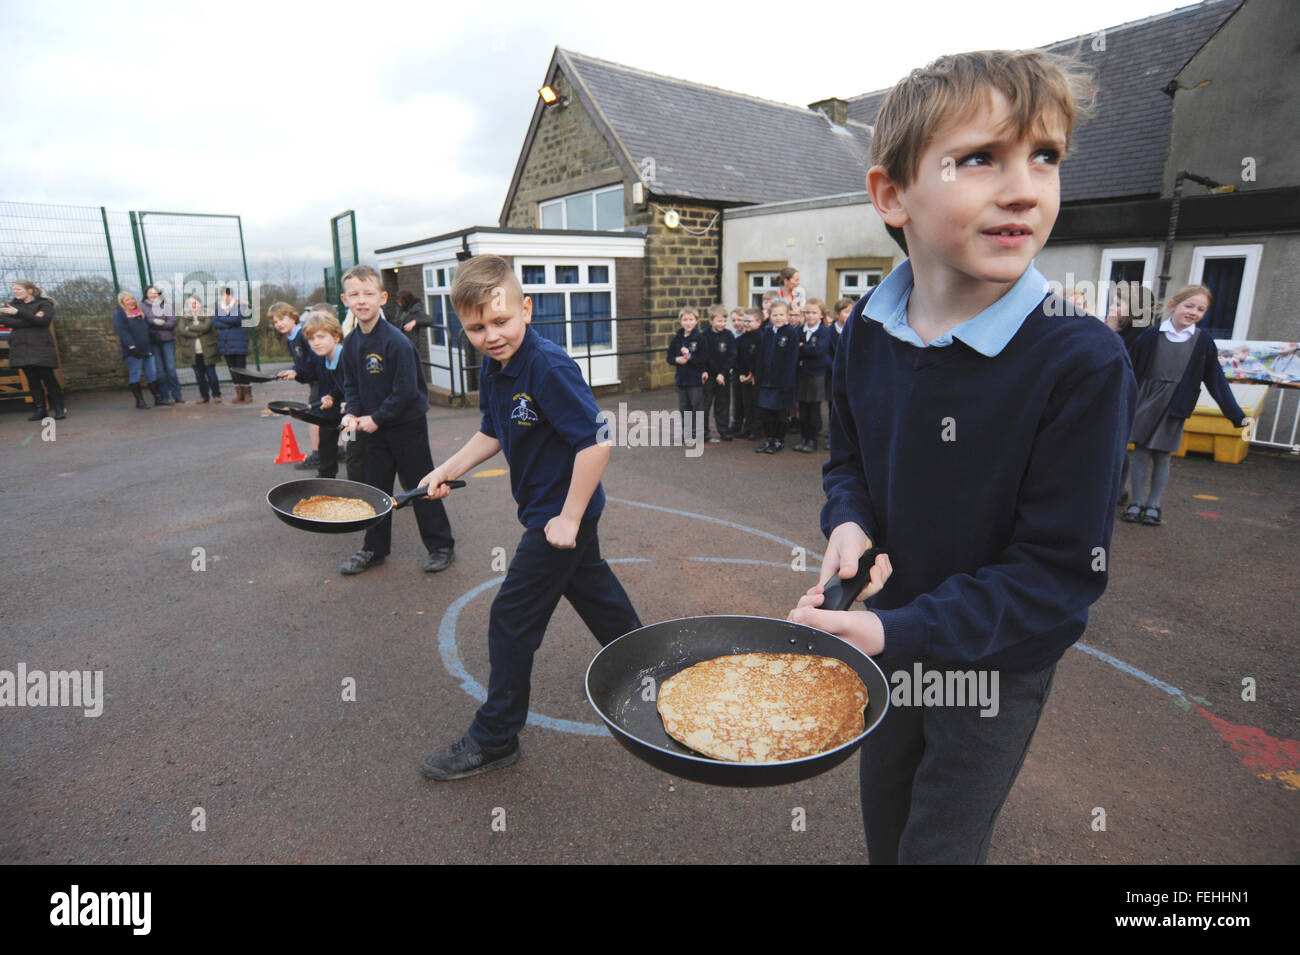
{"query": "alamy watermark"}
(76, 688)
(652, 429)
(922, 687)
(211, 293)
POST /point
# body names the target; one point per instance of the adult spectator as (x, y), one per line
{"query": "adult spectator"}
(31, 347)
(137, 350)
(790, 292)
(410, 316)
(232, 340)
(161, 317)
(197, 342)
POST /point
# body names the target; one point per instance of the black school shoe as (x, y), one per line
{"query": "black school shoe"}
(467, 758)
(360, 561)
(1151, 516)
(439, 560)
(309, 463)
(1132, 515)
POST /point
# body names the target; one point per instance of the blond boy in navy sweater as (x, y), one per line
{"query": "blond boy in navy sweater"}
(977, 437)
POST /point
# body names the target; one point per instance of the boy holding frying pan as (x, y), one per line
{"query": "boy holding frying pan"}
(977, 436)
(387, 400)
(540, 412)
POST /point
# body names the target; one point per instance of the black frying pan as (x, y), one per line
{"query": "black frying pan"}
(302, 411)
(616, 687)
(242, 376)
(283, 497)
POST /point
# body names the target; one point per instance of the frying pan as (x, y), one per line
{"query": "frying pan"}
(616, 684)
(302, 412)
(241, 376)
(283, 497)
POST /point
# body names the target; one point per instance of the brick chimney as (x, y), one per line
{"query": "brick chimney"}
(837, 110)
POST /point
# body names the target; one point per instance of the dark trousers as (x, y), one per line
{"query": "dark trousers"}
(539, 576)
(329, 453)
(810, 419)
(402, 450)
(44, 387)
(690, 399)
(718, 397)
(773, 423)
(236, 361)
(737, 404)
(933, 779)
(206, 376)
(747, 421)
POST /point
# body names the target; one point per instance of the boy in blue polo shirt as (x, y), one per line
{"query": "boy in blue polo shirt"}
(538, 410)
(977, 436)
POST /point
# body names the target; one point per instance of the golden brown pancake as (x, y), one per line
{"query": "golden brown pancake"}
(323, 507)
(763, 707)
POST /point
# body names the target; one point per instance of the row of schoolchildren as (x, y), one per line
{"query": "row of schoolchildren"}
(767, 373)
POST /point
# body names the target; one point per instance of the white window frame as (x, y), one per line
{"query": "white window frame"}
(562, 202)
(866, 274)
(583, 285)
(1148, 255)
(773, 280)
(432, 288)
(1249, 274)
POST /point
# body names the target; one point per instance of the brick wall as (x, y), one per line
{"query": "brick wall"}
(629, 302)
(680, 269)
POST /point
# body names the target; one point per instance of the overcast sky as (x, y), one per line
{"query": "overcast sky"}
(412, 114)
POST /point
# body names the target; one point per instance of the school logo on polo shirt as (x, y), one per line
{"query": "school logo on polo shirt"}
(375, 364)
(522, 412)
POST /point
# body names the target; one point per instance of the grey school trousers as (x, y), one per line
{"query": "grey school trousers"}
(933, 779)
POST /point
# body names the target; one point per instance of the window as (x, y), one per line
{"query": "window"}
(437, 301)
(760, 282)
(567, 310)
(1137, 266)
(1229, 272)
(600, 209)
(854, 283)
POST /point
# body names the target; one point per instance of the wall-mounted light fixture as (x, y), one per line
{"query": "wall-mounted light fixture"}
(552, 98)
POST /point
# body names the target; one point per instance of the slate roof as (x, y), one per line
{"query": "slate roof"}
(710, 143)
(1121, 152)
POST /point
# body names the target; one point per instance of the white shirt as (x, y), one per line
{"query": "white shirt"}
(1171, 333)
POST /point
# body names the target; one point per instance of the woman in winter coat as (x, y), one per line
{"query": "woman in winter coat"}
(137, 350)
(196, 343)
(232, 339)
(31, 347)
(162, 333)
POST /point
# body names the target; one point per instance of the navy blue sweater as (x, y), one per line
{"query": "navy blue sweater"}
(132, 334)
(315, 370)
(747, 352)
(1203, 366)
(719, 352)
(815, 354)
(990, 482)
(778, 358)
(690, 373)
(382, 376)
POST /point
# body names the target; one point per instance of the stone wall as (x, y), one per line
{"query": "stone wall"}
(568, 154)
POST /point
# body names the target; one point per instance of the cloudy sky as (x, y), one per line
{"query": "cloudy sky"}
(412, 114)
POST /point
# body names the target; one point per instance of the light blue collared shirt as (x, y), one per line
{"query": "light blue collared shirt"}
(988, 332)
(332, 362)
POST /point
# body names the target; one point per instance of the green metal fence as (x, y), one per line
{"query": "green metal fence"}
(83, 256)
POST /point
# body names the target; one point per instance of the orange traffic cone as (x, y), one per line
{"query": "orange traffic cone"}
(289, 453)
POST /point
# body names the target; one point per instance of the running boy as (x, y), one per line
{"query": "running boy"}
(975, 437)
(387, 400)
(538, 410)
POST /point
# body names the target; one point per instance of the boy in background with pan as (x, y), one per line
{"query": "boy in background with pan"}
(387, 400)
(539, 411)
(977, 437)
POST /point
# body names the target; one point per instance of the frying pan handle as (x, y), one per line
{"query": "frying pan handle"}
(839, 594)
(406, 497)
